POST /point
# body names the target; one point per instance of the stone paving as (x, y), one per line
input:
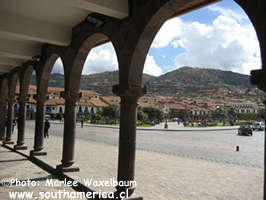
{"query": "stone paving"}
(215, 146)
(159, 176)
(15, 166)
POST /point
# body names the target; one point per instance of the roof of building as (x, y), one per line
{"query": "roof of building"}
(98, 103)
(173, 106)
(111, 100)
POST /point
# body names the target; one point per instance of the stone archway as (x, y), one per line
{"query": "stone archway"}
(3, 106)
(43, 73)
(12, 83)
(73, 59)
(75, 67)
(25, 74)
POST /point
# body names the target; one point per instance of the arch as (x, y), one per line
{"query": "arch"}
(3, 90)
(43, 74)
(3, 106)
(133, 74)
(255, 10)
(24, 79)
(146, 26)
(74, 69)
(12, 83)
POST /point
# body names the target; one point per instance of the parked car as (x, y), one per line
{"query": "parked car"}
(245, 130)
(258, 126)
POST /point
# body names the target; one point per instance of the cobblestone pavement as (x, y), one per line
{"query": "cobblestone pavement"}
(14, 166)
(215, 146)
(168, 165)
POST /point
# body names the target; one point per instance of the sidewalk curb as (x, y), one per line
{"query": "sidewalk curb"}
(152, 129)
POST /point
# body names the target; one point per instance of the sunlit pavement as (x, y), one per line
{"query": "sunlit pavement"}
(169, 165)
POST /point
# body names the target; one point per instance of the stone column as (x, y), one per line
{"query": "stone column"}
(71, 99)
(127, 134)
(39, 126)
(21, 125)
(10, 118)
(258, 79)
(2, 120)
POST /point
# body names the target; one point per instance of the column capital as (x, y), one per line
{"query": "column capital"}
(129, 92)
(258, 78)
(71, 97)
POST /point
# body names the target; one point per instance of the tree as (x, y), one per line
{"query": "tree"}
(261, 114)
(154, 114)
(219, 114)
(231, 114)
(248, 116)
(111, 112)
(142, 116)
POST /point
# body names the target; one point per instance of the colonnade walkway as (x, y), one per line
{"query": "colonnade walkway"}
(158, 176)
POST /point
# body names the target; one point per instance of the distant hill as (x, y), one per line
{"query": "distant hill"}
(188, 80)
(184, 80)
(103, 82)
(100, 82)
(56, 80)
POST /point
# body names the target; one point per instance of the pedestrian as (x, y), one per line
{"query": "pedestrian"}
(46, 128)
(5, 122)
(81, 122)
(14, 123)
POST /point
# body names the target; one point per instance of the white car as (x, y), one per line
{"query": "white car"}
(258, 126)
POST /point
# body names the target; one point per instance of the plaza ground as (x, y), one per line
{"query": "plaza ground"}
(185, 165)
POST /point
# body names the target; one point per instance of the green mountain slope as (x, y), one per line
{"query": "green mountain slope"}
(188, 79)
(183, 80)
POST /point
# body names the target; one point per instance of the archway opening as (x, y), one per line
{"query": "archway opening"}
(54, 108)
(97, 109)
(203, 59)
(25, 91)
(47, 85)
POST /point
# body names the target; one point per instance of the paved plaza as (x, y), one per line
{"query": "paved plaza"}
(172, 165)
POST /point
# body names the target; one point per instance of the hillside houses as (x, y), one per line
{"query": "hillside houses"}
(195, 106)
(90, 102)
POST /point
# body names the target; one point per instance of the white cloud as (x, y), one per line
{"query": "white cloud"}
(100, 59)
(226, 44)
(58, 67)
(103, 58)
(239, 16)
(150, 67)
(170, 30)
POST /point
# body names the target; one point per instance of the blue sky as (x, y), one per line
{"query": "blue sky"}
(219, 36)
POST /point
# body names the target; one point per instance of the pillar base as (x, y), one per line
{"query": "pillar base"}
(8, 142)
(61, 168)
(20, 147)
(37, 153)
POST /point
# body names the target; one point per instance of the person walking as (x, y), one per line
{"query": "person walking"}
(46, 128)
(14, 123)
(81, 122)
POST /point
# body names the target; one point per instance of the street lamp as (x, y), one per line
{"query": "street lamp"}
(166, 116)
